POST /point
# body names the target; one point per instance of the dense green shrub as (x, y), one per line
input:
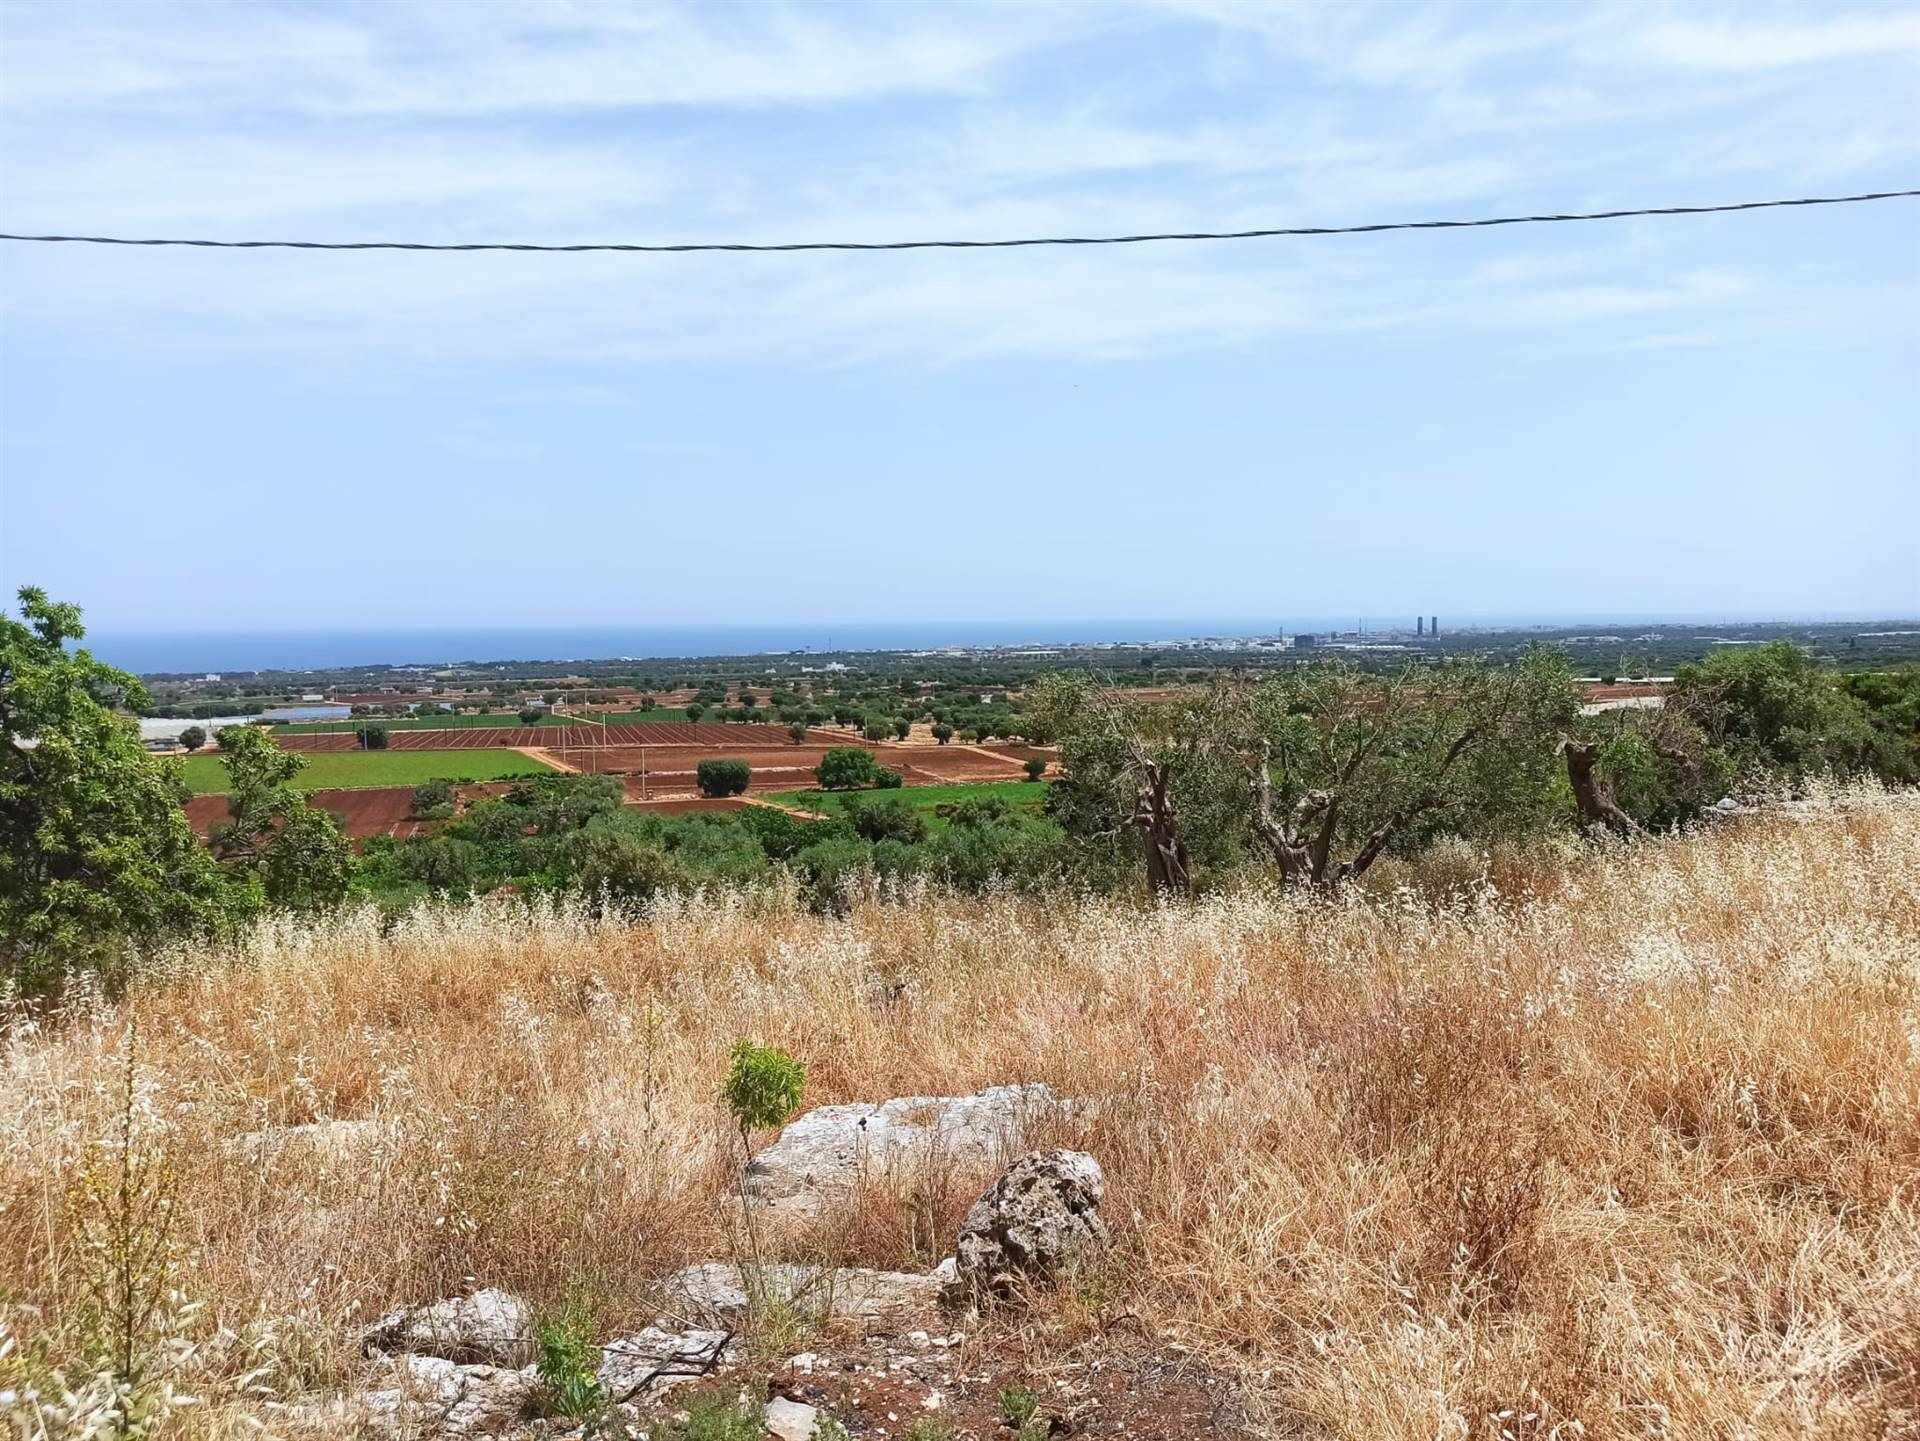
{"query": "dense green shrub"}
(723, 777)
(845, 768)
(1772, 708)
(373, 737)
(894, 818)
(622, 870)
(432, 800)
(763, 1087)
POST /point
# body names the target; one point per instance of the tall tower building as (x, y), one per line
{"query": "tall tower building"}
(1433, 627)
(1419, 625)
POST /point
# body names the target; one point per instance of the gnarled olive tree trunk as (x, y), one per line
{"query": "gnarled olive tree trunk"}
(1169, 869)
(1594, 805)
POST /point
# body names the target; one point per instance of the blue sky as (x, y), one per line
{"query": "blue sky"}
(1715, 415)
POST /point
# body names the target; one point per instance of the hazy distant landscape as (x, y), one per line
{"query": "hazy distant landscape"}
(807, 720)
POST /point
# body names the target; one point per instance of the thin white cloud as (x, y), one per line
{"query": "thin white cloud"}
(423, 60)
(546, 123)
(1749, 45)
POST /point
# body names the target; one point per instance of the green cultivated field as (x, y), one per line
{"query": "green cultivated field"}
(1022, 795)
(358, 770)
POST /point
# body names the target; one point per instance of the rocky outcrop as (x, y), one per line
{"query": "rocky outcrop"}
(715, 1292)
(433, 1395)
(489, 1327)
(820, 1157)
(1039, 1218)
(639, 1367)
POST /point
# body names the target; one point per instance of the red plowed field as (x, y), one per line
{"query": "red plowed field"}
(1017, 752)
(673, 772)
(713, 738)
(361, 813)
(683, 806)
(925, 767)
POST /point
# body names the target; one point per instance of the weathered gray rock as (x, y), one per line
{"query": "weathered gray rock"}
(488, 1327)
(435, 1396)
(639, 1367)
(791, 1420)
(820, 1157)
(715, 1292)
(1041, 1216)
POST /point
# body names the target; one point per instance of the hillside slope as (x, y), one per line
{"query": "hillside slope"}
(1622, 1137)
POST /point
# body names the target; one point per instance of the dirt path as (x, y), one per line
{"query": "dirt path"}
(784, 809)
(547, 757)
(1005, 760)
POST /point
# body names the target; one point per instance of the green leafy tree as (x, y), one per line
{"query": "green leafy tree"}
(273, 839)
(1036, 767)
(942, 732)
(845, 768)
(797, 732)
(193, 737)
(531, 715)
(97, 860)
(695, 712)
(373, 737)
(902, 728)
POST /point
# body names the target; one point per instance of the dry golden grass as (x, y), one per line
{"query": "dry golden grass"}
(1626, 1139)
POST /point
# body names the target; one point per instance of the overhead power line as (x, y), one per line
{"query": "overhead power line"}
(1143, 239)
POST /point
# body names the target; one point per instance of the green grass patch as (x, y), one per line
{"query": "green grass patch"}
(1022, 795)
(357, 770)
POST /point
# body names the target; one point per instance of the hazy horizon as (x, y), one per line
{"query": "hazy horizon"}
(154, 652)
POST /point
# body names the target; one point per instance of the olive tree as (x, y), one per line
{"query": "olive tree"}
(1344, 766)
(1319, 770)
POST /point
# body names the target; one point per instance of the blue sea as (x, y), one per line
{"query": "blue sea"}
(201, 651)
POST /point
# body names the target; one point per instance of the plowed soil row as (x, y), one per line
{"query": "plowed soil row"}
(384, 811)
